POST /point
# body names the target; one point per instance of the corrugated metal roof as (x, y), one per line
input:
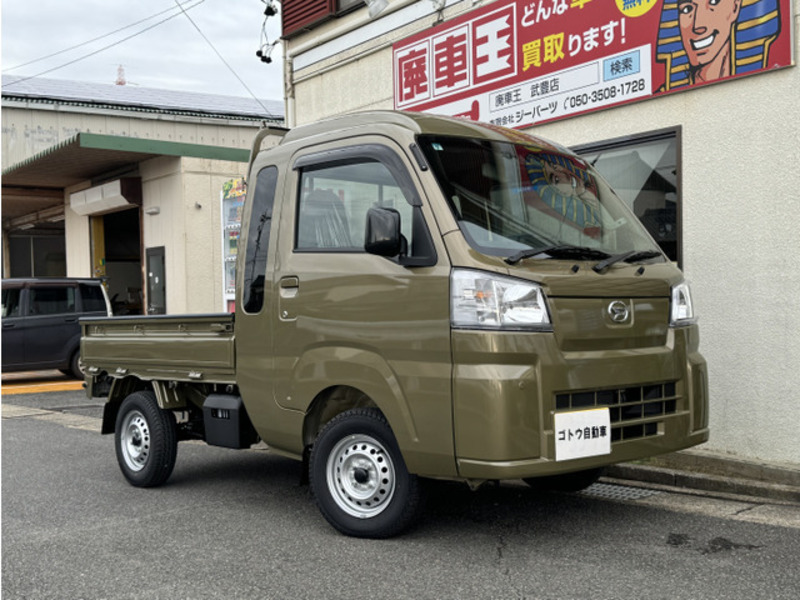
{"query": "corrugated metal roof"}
(135, 98)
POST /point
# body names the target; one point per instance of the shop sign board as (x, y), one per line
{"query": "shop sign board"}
(521, 62)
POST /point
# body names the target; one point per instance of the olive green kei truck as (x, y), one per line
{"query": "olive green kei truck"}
(418, 297)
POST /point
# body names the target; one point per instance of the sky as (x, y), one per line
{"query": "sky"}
(172, 55)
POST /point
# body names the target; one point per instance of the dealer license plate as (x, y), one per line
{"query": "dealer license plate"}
(582, 433)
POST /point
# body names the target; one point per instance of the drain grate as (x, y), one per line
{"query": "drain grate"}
(609, 491)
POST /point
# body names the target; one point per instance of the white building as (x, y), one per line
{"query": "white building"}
(124, 183)
(710, 169)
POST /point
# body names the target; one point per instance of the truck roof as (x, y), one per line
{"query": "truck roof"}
(418, 123)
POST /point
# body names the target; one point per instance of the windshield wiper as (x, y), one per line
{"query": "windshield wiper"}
(559, 251)
(630, 256)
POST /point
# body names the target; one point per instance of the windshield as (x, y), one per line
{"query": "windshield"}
(519, 200)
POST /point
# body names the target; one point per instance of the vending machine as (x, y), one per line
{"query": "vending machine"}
(233, 193)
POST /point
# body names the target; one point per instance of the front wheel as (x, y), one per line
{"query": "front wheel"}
(146, 440)
(358, 478)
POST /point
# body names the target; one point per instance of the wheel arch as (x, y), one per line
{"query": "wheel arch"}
(329, 403)
(346, 378)
(120, 389)
(168, 395)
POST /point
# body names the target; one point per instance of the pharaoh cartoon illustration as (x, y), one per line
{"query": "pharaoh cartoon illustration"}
(704, 40)
(565, 190)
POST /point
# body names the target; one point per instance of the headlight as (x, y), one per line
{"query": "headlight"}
(681, 310)
(480, 300)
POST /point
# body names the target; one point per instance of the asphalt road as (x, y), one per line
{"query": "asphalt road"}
(238, 524)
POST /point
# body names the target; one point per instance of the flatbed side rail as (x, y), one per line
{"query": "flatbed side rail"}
(161, 347)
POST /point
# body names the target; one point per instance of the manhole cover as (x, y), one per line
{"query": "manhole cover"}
(610, 491)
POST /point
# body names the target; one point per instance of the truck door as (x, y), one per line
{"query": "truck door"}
(254, 299)
(355, 322)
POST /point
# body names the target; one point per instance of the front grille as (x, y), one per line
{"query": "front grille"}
(626, 405)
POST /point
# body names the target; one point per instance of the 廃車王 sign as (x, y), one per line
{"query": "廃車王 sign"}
(520, 62)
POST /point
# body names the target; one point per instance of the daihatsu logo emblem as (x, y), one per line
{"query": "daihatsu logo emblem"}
(619, 311)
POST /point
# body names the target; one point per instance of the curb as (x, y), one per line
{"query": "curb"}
(702, 474)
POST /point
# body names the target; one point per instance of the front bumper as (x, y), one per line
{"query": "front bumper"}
(508, 387)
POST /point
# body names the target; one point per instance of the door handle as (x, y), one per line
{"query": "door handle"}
(9, 325)
(289, 287)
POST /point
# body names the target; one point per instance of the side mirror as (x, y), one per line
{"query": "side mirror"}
(383, 235)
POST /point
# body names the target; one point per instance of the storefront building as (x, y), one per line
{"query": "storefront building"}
(126, 184)
(688, 107)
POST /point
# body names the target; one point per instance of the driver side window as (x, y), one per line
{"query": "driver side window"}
(334, 200)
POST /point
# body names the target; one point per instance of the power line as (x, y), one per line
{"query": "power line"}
(225, 62)
(98, 38)
(104, 48)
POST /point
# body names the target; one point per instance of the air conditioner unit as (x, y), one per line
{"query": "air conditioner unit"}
(109, 197)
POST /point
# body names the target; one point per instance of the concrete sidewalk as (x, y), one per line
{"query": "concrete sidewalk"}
(710, 473)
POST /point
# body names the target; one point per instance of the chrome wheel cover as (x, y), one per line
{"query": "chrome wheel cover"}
(361, 476)
(135, 440)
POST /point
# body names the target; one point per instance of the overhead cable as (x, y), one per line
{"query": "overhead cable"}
(225, 62)
(104, 48)
(105, 35)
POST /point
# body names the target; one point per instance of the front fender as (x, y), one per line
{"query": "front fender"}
(414, 398)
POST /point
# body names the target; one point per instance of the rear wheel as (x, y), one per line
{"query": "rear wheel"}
(358, 478)
(566, 482)
(146, 440)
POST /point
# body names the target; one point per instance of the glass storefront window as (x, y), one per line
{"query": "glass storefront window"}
(644, 171)
(37, 256)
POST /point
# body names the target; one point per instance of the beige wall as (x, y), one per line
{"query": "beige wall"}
(162, 189)
(202, 183)
(191, 235)
(739, 161)
(77, 238)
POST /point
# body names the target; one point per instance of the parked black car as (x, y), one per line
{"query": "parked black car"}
(40, 322)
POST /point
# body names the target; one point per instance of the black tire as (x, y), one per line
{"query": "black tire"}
(75, 366)
(359, 479)
(567, 482)
(146, 440)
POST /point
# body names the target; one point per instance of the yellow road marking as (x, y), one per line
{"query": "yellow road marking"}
(38, 388)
